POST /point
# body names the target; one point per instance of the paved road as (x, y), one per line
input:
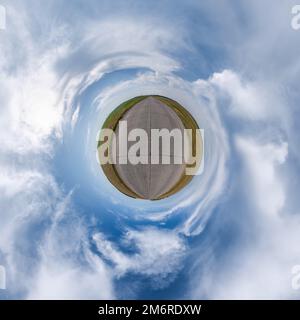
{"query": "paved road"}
(151, 180)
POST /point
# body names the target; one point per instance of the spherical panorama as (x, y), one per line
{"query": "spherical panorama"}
(150, 147)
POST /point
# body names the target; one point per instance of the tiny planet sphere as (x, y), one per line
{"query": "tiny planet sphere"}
(148, 179)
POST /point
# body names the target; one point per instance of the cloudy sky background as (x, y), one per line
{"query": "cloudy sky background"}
(233, 232)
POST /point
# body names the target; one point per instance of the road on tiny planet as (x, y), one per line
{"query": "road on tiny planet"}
(147, 179)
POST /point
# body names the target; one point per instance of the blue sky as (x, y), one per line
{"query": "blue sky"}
(66, 233)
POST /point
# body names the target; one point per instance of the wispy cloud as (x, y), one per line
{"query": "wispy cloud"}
(158, 254)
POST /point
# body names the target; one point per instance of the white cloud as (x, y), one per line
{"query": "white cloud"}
(50, 269)
(261, 164)
(26, 194)
(40, 259)
(248, 100)
(159, 254)
(58, 280)
(260, 267)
